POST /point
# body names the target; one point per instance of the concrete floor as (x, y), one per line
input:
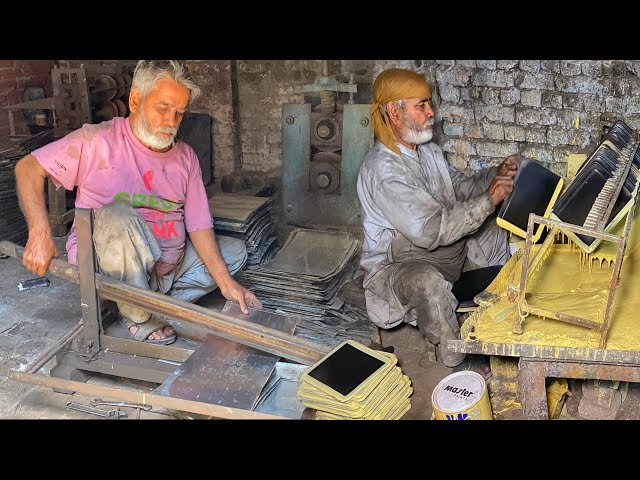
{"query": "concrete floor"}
(32, 321)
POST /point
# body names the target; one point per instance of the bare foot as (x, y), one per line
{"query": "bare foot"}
(167, 331)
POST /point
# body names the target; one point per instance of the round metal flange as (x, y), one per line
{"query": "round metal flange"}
(105, 111)
(104, 89)
(122, 108)
(325, 131)
(122, 89)
(324, 172)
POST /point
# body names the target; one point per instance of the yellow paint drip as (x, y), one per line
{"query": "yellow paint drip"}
(563, 284)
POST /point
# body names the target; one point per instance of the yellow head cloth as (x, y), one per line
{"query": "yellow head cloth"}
(391, 85)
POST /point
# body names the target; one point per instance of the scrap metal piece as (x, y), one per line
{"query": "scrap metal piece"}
(33, 283)
(115, 414)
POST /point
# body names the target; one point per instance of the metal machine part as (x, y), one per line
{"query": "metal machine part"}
(115, 414)
(322, 148)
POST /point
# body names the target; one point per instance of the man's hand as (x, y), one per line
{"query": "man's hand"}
(237, 293)
(39, 251)
(500, 188)
(510, 165)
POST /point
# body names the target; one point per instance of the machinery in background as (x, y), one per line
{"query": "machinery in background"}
(322, 149)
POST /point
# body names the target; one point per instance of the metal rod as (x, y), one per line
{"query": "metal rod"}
(574, 228)
(241, 331)
(49, 354)
(133, 396)
(563, 317)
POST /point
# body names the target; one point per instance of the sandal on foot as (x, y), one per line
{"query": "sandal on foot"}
(147, 328)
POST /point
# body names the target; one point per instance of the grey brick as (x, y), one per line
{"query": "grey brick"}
(494, 78)
(538, 152)
(570, 67)
(476, 164)
(490, 96)
(567, 117)
(466, 63)
(559, 168)
(496, 149)
(532, 66)
(614, 68)
(542, 81)
(557, 136)
(551, 100)
(615, 105)
(456, 112)
(493, 131)
(542, 116)
(579, 84)
(592, 103)
(592, 68)
(536, 135)
(632, 105)
(514, 133)
(470, 93)
(459, 162)
(633, 121)
(616, 87)
(453, 129)
(573, 100)
(551, 65)
(510, 96)
(507, 64)
(456, 76)
(488, 64)
(495, 113)
(531, 98)
(473, 130)
(463, 147)
(449, 93)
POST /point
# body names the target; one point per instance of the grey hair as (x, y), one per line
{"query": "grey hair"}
(148, 72)
(399, 103)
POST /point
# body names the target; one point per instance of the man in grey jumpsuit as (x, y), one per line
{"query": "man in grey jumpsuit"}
(424, 222)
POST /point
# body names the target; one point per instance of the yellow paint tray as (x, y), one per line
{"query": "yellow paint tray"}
(535, 190)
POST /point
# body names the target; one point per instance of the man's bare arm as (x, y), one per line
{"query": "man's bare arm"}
(206, 245)
(40, 246)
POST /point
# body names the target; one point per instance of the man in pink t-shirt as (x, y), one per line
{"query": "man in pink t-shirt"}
(147, 193)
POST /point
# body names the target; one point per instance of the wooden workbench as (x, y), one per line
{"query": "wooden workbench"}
(549, 348)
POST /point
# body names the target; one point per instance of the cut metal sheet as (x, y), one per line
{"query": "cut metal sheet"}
(222, 372)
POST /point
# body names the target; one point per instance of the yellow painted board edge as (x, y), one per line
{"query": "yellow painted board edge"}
(536, 236)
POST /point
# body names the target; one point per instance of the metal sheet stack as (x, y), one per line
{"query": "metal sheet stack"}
(13, 226)
(247, 218)
(353, 382)
(304, 278)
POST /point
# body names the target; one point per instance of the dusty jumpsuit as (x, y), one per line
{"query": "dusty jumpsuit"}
(424, 224)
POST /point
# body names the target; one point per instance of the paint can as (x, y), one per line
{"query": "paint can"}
(461, 396)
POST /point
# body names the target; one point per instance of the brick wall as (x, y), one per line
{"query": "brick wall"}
(545, 109)
(486, 109)
(15, 76)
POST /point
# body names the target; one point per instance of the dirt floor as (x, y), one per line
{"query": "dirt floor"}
(32, 321)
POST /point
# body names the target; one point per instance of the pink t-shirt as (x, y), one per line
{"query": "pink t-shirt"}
(107, 162)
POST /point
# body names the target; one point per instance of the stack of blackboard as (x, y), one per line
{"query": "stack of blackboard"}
(304, 278)
(353, 382)
(247, 218)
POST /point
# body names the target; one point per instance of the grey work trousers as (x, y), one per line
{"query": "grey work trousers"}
(421, 287)
(127, 250)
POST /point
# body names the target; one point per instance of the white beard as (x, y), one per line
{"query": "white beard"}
(147, 135)
(416, 137)
(417, 134)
